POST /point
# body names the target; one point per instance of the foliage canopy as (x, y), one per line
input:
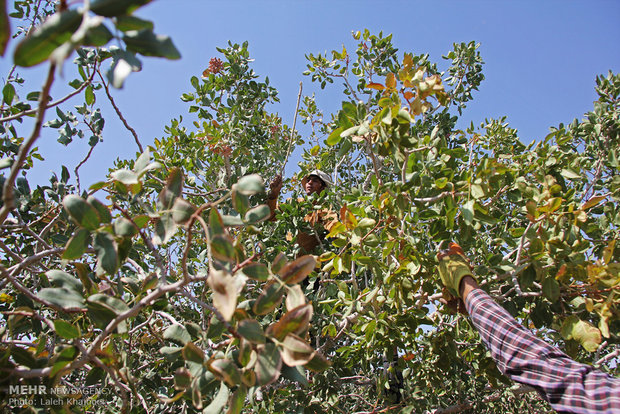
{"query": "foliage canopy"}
(168, 285)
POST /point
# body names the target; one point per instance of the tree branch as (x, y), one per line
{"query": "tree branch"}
(8, 195)
(51, 104)
(119, 113)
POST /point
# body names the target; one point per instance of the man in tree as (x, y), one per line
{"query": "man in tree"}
(569, 386)
(315, 182)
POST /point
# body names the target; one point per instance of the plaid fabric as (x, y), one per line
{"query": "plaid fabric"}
(569, 386)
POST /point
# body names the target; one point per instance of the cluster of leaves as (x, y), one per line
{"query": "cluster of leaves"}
(538, 221)
(169, 285)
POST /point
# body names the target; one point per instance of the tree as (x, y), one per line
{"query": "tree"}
(165, 288)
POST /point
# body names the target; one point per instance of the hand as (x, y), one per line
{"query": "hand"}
(275, 186)
(453, 267)
(453, 305)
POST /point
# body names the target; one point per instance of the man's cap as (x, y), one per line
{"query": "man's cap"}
(323, 176)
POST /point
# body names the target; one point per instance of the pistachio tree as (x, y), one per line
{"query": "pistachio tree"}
(172, 286)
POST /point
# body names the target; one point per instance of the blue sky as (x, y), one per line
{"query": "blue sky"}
(541, 59)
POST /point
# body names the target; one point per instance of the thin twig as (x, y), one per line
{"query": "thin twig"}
(438, 197)
(76, 170)
(119, 113)
(607, 357)
(292, 137)
(13, 270)
(52, 104)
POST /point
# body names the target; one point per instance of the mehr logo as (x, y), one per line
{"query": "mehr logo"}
(27, 389)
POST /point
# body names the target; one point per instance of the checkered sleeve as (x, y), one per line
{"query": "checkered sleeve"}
(569, 386)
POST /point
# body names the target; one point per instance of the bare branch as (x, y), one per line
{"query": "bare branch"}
(119, 113)
(292, 137)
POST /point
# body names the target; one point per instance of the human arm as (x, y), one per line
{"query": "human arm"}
(274, 193)
(569, 386)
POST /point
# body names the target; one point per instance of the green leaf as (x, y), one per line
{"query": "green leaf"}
(8, 93)
(141, 221)
(177, 333)
(349, 131)
(125, 176)
(182, 211)
(537, 246)
(191, 352)
(216, 226)
(222, 248)
(6, 162)
(143, 162)
(297, 270)
(297, 374)
(165, 228)
(318, 363)
(441, 182)
(334, 138)
(100, 301)
(64, 280)
(124, 227)
(296, 351)
(528, 277)
(278, 263)
(294, 321)
(593, 201)
(113, 8)
(62, 297)
(295, 297)
(123, 64)
(256, 271)
(219, 402)
(65, 330)
(107, 255)
(95, 376)
(172, 189)
(587, 335)
(554, 204)
(237, 400)
(127, 23)
(62, 359)
(171, 353)
(81, 212)
(270, 298)
(268, 364)
(468, 211)
(241, 202)
(477, 191)
(231, 221)
(182, 379)
(77, 244)
(102, 209)
(226, 290)
(54, 31)
(226, 370)
(250, 185)
(551, 289)
(257, 214)
(97, 35)
(148, 43)
(570, 174)
(5, 27)
(251, 330)
(89, 95)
